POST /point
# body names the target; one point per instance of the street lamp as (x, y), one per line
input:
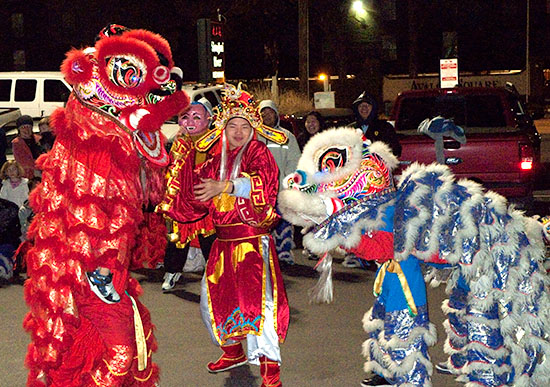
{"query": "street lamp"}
(324, 78)
(359, 10)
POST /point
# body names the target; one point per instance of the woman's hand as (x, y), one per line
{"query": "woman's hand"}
(208, 188)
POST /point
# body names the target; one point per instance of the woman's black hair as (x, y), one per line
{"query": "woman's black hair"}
(319, 118)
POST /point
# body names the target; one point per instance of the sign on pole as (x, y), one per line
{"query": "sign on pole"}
(448, 73)
(211, 51)
(323, 100)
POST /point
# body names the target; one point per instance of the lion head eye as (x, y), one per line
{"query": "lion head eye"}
(300, 177)
(295, 180)
(125, 71)
(332, 159)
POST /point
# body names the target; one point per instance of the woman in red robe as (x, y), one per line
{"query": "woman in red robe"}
(242, 293)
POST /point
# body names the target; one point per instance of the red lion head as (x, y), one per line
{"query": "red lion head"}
(129, 75)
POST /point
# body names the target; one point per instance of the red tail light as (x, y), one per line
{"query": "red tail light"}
(526, 165)
(526, 157)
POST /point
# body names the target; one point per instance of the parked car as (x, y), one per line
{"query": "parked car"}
(9, 115)
(333, 117)
(35, 93)
(502, 151)
(39, 93)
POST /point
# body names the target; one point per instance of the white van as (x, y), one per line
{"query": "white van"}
(39, 93)
(197, 91)
(35, 93)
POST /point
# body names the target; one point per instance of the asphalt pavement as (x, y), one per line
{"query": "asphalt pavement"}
(323, 346)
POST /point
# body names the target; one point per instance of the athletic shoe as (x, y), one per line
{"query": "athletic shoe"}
(309, 255)
(375, 380)
(170, 280)
(102, 286)
(443, 368)
(351, 261)
(286, 258)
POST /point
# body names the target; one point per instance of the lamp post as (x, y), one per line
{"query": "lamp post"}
(303, 45)
(527, 68)
(325, 78)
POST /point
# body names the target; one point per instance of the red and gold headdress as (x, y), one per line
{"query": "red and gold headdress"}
(238, 103)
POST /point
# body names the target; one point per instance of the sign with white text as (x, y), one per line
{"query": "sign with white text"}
(448, 73)
(211, 51)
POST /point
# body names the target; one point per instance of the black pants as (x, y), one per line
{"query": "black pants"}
(174, 258)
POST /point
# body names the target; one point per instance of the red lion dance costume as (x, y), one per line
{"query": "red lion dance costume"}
(97, 180)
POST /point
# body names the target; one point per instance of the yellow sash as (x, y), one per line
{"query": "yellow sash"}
(395, 268)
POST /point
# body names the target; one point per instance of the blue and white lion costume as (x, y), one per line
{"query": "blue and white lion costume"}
(498, 308)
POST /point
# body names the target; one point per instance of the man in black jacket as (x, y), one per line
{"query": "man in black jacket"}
(365, 109)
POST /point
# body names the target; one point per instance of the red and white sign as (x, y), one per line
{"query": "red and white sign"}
(448, 73)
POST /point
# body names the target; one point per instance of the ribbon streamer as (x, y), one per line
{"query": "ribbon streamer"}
(141, 344)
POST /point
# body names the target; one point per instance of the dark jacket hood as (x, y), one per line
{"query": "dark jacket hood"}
(365, 97)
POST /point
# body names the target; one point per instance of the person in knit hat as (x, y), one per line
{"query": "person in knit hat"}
(365, 109)
(26, 148)
(286, 156)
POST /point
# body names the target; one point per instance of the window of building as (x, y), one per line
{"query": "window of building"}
(19, 59)
(17, 25)
(389, 47)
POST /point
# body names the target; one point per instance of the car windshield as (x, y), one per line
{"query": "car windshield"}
(466, 111)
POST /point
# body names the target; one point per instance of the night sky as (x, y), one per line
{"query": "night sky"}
(491, 33)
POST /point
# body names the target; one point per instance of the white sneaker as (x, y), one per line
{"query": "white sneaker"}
(170, 280)
(443, 368)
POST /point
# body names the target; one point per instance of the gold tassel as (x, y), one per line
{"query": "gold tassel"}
(141, 344)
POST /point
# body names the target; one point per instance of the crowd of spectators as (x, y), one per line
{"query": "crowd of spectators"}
(18, 177)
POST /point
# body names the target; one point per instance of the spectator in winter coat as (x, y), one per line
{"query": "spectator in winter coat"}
(3, 146)
(313, 124)
(365, 109)
(14, 186)
(26, 148)
(47, 137)
(286, 156)
(10, 230)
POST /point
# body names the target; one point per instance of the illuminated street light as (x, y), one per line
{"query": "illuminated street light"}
(324, 78)
(359, 10)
